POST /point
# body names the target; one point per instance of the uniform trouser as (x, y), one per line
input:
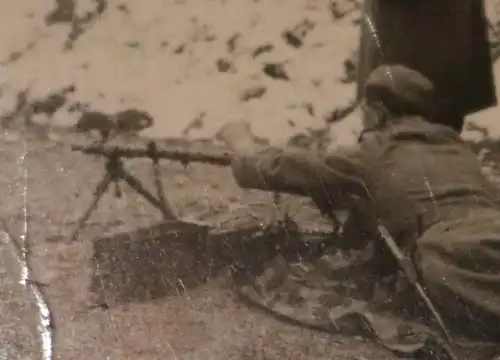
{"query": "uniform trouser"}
(459, 262)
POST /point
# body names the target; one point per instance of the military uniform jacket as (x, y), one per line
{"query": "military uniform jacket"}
(415, 174)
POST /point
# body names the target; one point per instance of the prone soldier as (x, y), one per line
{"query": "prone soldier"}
(420, 180)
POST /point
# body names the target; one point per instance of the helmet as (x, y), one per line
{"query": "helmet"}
(400, 88)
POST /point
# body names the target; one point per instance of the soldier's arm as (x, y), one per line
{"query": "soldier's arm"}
(300, 172)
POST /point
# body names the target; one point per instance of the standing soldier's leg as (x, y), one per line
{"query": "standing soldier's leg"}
(446, 40)
(454, 120)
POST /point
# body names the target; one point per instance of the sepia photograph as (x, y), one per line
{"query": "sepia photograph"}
(250, 180)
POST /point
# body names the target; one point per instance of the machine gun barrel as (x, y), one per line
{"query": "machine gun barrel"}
(213, 157)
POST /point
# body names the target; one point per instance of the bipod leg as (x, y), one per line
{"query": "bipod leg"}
(99, 192)
(137, 186)
(167, 209)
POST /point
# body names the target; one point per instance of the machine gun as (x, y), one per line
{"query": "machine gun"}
(115, 172)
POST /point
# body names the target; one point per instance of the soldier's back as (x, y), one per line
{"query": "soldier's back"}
(428, 164)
